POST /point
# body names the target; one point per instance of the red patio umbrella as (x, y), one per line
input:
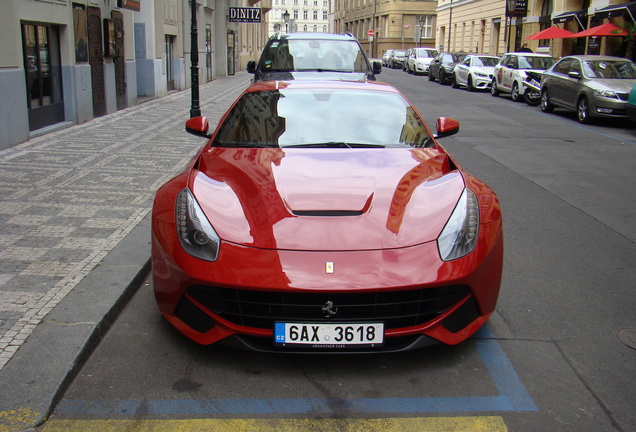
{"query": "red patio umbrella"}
(553, 32)
(607, 29)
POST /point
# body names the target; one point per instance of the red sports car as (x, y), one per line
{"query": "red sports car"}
(324, 216)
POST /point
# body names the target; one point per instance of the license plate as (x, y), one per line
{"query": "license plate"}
(329, 335)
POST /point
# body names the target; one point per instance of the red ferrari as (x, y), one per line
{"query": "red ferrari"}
(325, 216)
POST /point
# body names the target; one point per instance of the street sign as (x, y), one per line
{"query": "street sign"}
(370, 33)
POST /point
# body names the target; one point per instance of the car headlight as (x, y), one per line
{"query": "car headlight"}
(605, 93)
(480, 74)
(459, 236)
(195, 233)
(448, 68)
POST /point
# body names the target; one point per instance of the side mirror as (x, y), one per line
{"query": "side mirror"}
(198, 126)
(446, 126)
(574, 74)
(377, 67)
(251, 66)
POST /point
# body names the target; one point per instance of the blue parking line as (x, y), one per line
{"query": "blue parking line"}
(513, 396)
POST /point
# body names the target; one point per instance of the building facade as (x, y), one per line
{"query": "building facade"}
(482, 26)
(387, 24)
(65, 62)
(299, 16)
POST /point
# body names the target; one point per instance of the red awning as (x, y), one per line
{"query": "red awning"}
(607, 29)
(551, 33)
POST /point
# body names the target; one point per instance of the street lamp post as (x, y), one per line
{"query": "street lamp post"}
(510, 9)
(195, 109)
(286, 19)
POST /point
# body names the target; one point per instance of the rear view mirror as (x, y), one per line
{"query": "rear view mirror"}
(251, 66)
(446, 126)
(198, 126)
(376, 66)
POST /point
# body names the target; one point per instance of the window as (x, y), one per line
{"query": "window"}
(324, 16)
(305, 15)
(295, 14)
(427, 26)
(315, 15)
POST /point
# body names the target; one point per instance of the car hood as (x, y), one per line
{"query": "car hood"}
(326, 199)
(314, 76)
(424, 60)
(488, 70)
(616, 85)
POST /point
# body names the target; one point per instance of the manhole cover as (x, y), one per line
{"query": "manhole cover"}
(628, 337)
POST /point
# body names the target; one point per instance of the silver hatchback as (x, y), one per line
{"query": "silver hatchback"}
(593, 86)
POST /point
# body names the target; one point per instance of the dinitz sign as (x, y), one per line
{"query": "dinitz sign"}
(245, 15)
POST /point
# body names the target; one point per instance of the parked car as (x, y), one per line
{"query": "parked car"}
(631, 104)
(298, 226)
(443, 65)
(396, 60)
(475, 72)
(419, 60)
(593, 86)
(313, 56)
(510, 72)
(386, 56)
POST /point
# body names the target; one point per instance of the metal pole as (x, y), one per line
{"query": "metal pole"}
(195, 109)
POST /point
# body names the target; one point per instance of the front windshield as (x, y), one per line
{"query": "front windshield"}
(293, 55)
(322, 118)
(485, 61)
(609, 69)
(539, 63)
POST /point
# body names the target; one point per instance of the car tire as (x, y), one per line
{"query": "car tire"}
(493, 88)
(430, 76)
(442, 77)
(514, 94)
(583, 110)
(470, 85)
(454, 82)
(546, 105)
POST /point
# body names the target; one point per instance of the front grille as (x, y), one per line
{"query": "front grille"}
(623, 96)
(261, 309)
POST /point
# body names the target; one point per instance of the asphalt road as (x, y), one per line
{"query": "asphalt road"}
(550, 358)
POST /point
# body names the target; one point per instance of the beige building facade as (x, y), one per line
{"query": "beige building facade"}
(395, 24)
(481, 26)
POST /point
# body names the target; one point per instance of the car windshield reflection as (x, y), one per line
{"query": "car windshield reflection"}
(609, 69)
(299, 117)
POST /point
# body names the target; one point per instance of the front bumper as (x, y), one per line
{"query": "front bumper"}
(608, 108)
(180, 283)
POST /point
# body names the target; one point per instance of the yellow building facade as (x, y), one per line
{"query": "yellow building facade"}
(481, 26)
(395, 24)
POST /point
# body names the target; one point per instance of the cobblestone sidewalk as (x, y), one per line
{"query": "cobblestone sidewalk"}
(68, 198)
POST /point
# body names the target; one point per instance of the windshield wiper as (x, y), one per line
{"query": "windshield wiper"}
(336, 144)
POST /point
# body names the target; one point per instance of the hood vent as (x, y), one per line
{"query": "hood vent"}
(327, 213)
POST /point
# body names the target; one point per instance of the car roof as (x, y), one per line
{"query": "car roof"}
(584, 57)
(316, 36)
(530, 54)
(322, 85)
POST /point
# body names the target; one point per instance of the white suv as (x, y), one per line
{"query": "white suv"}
(510, 72)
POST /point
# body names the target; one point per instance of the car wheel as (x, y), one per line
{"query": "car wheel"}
(583, 110)
(546, 106)
(430, 76)
(454, 82)
(493, 88)
(442, 77)
(471, 87)
(514, 95)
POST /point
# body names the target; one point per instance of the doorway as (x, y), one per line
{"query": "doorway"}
(43, 74)
(169, 66)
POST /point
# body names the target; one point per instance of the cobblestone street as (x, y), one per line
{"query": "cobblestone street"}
(69, 197)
